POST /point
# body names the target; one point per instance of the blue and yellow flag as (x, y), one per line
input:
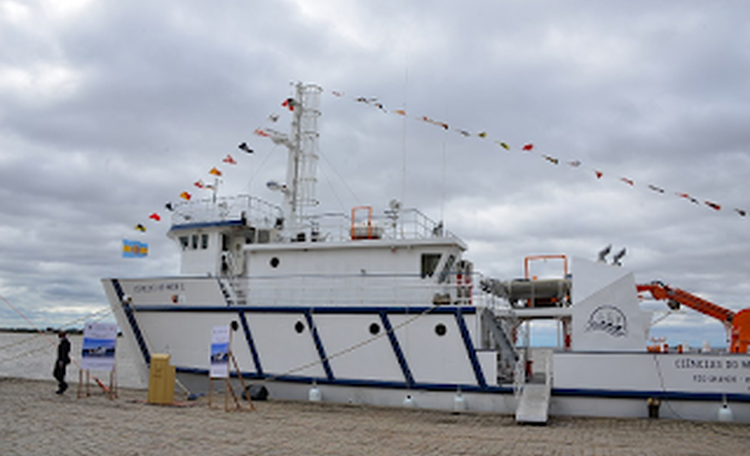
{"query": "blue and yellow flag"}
(134, 249)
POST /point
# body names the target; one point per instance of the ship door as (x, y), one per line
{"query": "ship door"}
(238, 255)
(225, 256)
(232, 261)
(463, 281)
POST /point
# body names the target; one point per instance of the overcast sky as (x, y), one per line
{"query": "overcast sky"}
(109, 109)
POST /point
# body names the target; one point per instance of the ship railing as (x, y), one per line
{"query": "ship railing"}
(242, 207)
(412, 224)
(404, 224)
(364, 289)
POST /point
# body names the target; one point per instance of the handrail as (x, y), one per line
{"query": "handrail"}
(369, 289)
(544, 257)
(519, 374)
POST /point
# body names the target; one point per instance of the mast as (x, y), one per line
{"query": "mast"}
(302, 143)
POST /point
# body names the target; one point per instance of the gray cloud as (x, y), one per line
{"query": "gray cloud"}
(109, 110)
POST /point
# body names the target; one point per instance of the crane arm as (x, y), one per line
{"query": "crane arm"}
(666, 293)
(737, 324)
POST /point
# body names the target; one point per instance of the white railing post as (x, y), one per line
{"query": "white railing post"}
(519, 374)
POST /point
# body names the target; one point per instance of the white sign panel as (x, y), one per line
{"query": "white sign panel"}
(220, 352)
(98, 350)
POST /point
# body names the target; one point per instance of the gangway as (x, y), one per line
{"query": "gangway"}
(533, 404)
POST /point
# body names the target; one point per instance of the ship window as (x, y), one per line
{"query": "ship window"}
(374, 328)
(274, 262)
(195, 242)
(299, 327)
(440, 329)
(204, 241)
(447, 269)
(429, 263)
(184, 242)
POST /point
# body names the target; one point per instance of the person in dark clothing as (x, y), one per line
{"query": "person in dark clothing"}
(61, 364)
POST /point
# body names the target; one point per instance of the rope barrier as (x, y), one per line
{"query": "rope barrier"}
(49, 340)
(353, 347)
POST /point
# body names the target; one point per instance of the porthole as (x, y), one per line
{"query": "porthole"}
(440, 329)
(374, 329)
(299, 327)
(274, 262)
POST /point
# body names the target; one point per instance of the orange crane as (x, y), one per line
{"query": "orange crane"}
(737, 323)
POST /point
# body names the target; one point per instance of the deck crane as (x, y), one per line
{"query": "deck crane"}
(736, 323)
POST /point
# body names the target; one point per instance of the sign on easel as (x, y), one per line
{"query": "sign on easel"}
(99, 343)
(220, 352)
(98, 354)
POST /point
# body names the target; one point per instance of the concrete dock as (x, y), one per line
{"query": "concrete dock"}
(36, 421)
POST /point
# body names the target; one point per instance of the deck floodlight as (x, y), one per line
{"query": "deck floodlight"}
(604, 252)
(618, 256)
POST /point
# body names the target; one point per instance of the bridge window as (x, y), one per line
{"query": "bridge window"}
(204, 241)
(429, 264)
(447, 269)
(194, 244)
(184, 242)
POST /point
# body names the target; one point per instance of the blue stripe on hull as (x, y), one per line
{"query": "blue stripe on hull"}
(470, 349)
(128, 310)
(251, 343)
(397, 349)
(673, 395)
(319, 345)
(359, 382)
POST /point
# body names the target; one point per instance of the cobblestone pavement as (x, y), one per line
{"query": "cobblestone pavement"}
(34, 420)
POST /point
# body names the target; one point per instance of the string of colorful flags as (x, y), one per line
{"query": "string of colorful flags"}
(137, 249)
(529, 148)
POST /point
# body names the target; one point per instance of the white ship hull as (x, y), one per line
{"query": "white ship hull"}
(349, 364)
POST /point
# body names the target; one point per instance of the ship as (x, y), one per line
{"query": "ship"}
(386, 309)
